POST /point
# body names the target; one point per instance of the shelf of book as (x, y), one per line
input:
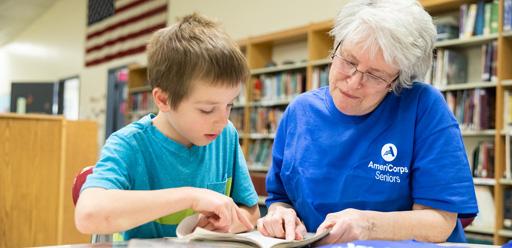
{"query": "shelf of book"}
(506, 82)
(261, 200)
(463, 42)
(504, 181)
(262, 135)
(145, 88)
(467, 86)
(272, 102)
(478, 133)
(505, 233)
(507, 34)
(320, 62)
(258, 168)
(480, 230)
(272, 69)
(484, 181)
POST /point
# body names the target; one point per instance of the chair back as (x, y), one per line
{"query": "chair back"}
(77, 186)
(79, 181)
(466, 221)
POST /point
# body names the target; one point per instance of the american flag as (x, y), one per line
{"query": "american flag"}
(118, 28)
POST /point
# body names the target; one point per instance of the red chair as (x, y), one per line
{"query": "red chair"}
(466, 221)
(79, 181)
(77, 186)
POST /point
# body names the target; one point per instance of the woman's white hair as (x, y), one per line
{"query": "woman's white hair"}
(401, 29)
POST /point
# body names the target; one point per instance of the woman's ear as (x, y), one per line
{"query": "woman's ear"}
(161, 99)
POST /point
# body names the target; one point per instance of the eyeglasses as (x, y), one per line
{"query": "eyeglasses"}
(346, 67)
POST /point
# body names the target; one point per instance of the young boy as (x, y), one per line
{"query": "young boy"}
(160, 169)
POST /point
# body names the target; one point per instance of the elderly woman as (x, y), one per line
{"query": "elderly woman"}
(377, 154)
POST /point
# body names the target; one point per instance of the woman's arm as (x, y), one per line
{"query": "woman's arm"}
(422, 224)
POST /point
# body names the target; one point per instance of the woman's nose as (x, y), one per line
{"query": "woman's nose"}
(355, 80)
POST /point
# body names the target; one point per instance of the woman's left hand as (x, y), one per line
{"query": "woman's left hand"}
(347, 225)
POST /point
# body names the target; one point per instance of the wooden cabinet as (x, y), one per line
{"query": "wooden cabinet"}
(39, 158)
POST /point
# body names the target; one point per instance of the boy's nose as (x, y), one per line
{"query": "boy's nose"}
(222, 118)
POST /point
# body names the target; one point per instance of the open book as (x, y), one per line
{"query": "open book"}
(187, 231)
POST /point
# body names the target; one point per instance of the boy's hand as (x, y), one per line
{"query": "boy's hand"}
(218, 212)
(282, 222)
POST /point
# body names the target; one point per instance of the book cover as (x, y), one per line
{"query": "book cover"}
(507, 209)
(456, 67)
(479, 18)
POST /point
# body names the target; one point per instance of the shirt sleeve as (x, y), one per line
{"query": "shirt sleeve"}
(441, 176)
(275, 188)
(111, 170)
(243, 190)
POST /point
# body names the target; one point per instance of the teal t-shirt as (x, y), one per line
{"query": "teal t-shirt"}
(140, 157)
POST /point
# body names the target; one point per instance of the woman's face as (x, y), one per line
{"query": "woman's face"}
(358, 82)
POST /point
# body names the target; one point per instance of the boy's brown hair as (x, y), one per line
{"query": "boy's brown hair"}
(193, 49)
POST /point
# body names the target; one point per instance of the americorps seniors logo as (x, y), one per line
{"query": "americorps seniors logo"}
(389, 152)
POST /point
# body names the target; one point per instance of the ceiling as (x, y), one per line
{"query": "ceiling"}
(16, 15)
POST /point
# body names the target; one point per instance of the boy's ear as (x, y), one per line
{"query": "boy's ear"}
(161, 100)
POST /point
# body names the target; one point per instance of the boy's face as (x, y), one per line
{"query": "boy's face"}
(201, 116)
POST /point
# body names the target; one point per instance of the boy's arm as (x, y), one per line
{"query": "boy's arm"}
(253, 213)
(108, 211)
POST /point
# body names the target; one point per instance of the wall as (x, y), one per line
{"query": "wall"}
(243, 18)
(49, 49)
(57, 40)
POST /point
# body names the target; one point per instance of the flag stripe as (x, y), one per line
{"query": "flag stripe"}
(136, 34)
(121, 3)
(157, 19)
(136, 18)
(119, 54)
(118, 47)
(128, 6)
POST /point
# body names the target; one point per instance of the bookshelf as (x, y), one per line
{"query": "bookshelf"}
(499, 134)
(283, 64)
(140, 100)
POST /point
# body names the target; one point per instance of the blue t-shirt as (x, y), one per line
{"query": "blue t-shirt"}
(140, 157)
(408, 150)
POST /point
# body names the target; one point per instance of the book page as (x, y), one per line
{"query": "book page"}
(264, 241)
(187, 230)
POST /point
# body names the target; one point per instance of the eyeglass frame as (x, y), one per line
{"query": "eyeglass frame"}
(354, 69)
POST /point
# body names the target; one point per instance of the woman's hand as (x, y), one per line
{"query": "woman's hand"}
(347, 225)
(282, 222)
(218, 212)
